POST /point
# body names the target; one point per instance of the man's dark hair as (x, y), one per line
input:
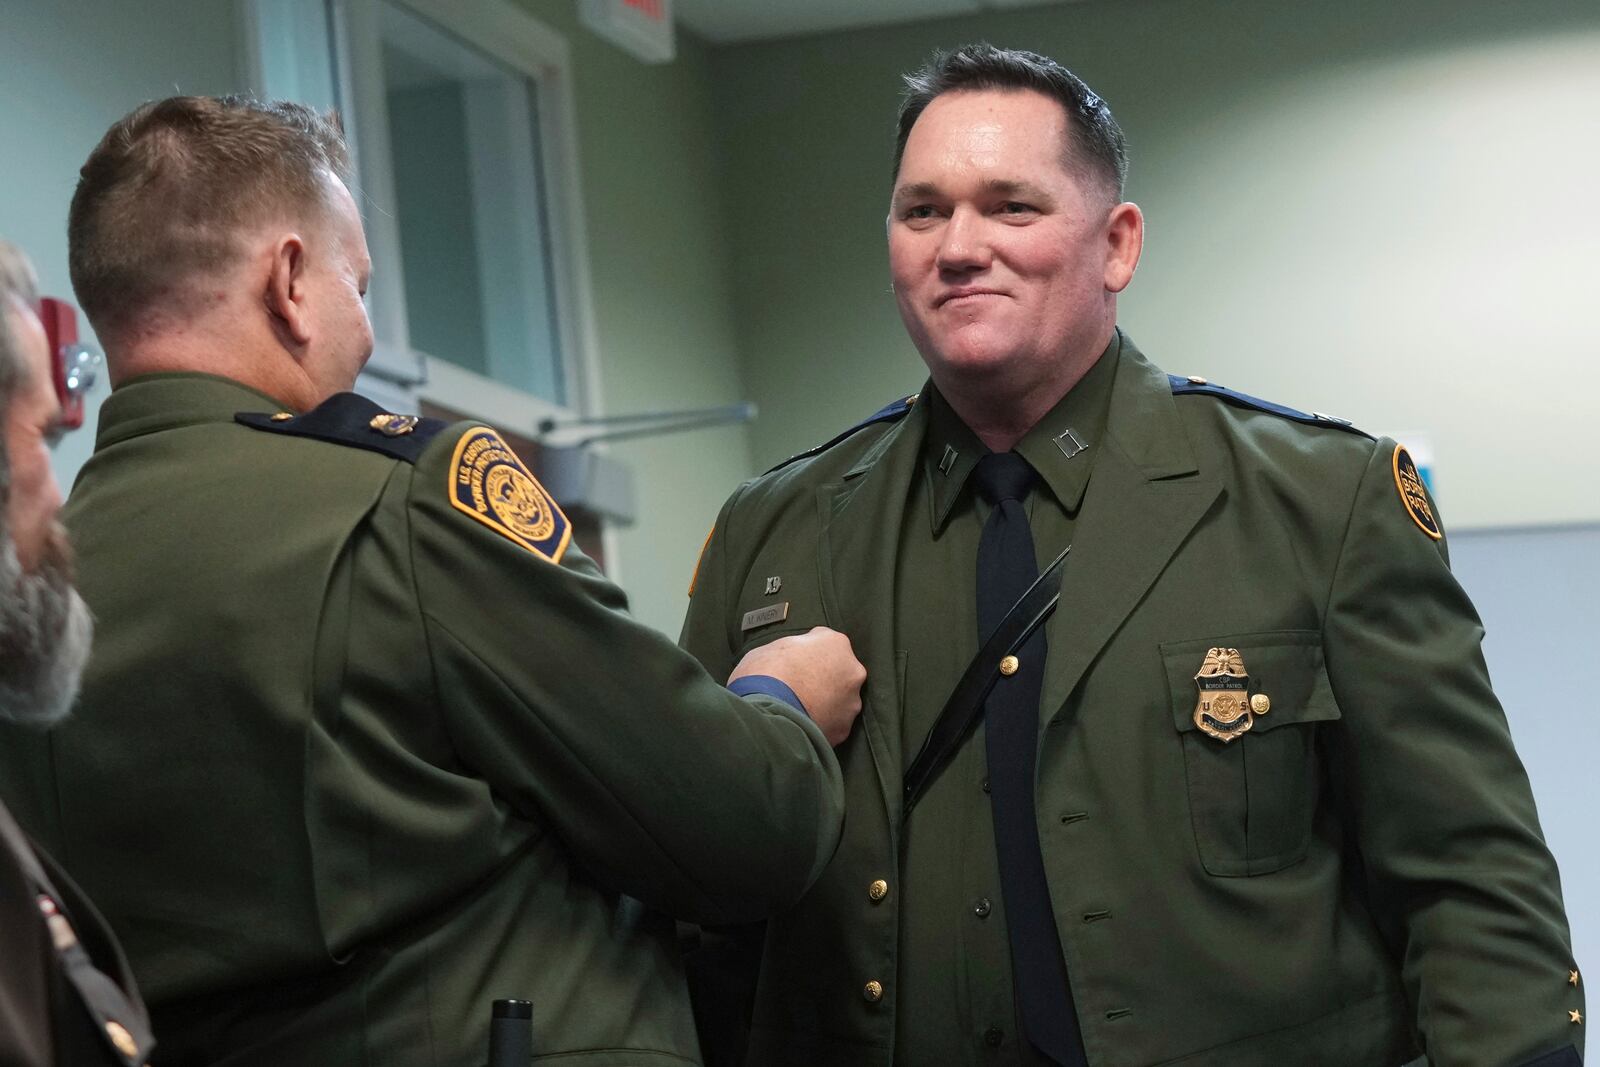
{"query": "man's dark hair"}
(1095, 145)
(162, 198)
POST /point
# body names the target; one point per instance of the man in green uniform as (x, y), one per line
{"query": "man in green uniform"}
(367, 743)
(66, 996)
(1246, 798)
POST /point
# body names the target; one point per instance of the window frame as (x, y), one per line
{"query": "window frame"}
(353, 72)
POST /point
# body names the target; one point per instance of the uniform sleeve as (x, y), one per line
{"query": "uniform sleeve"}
(705, 629)
(1459, 878)
(664, 785)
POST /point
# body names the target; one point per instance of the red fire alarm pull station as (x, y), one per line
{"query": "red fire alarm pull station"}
(73, 366)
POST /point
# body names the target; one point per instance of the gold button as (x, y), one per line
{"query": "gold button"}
(1261, 703)
(122, 1039)
(1572, 978)
(873, 992)
(1575, 1016)
(877, 890)
(282, 416)
(1195, 379)
(1009, 665)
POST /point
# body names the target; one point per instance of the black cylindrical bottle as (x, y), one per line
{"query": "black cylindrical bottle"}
(511, 1034)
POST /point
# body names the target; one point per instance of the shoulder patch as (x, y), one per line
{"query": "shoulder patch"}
(489, 483)
(1200, 387)
(1413, 494)
(353, 420)
(887, 413)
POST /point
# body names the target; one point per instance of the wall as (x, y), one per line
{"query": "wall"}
(1538, 592)
(1385, 211)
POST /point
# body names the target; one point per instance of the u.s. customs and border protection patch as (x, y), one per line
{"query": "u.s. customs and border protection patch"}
(1225, 709)
(489, 482)
(1413, 494)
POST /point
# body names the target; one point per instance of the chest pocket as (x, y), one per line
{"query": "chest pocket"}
(1253, 799)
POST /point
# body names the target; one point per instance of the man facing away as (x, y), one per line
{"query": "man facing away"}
(367, 743)
(1246, 798)
(66, 996)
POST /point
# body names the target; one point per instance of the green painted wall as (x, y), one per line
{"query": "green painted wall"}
(1383, 210)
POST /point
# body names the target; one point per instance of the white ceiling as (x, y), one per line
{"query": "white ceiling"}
(734, 21)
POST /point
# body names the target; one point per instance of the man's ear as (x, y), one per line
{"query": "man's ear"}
(1124, 242)
(286, 287)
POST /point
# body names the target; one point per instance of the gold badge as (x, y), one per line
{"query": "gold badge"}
(282, 416)
(489, 482)
(1413, 494)
(1225, 709)
(394, 425)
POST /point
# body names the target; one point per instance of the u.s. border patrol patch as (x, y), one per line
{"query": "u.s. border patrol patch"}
(1413, 494)
(489, 482)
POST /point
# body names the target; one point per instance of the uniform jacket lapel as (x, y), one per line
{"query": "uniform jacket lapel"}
(860, 521)
(1144, 498)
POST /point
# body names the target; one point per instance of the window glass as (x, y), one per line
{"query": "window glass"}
(471, 207)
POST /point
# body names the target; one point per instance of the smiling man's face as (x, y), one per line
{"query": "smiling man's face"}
(1000, 253)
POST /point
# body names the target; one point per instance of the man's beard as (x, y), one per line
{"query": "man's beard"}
(45, 634)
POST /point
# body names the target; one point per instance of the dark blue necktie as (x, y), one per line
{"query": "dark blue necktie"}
(1006, 567)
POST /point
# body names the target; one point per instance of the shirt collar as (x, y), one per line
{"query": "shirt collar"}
(1061, 446)
(154, 402)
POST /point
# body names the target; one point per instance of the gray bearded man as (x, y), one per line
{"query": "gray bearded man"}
(66, 996)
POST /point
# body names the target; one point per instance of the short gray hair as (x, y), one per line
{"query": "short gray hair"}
(19, 286)
(17, 282)
(16, 273)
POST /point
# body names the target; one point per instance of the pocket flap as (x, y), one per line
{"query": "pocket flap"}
(1283, 665)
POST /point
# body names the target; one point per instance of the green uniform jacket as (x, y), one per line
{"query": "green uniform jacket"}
(1363, 870)
(352, 762)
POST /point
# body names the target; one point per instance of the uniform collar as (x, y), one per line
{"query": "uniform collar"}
(154, 402)
(1061, 446)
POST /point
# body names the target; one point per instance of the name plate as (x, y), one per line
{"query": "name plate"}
(765, 616)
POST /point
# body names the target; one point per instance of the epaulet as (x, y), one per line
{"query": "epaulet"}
(353, 420)
(887, 413)
(1195, 386)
